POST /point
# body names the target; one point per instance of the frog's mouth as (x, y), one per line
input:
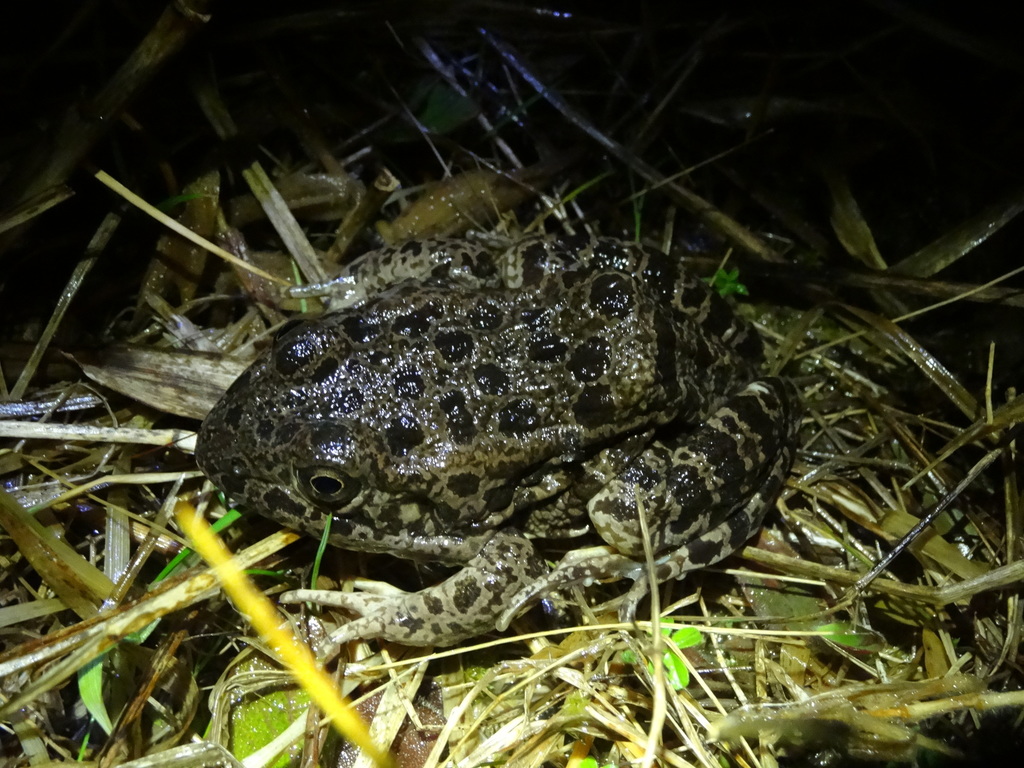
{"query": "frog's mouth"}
(373, 521)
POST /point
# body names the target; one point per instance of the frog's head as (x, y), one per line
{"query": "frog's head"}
(338, 419)
(313, 431)
(283, 460)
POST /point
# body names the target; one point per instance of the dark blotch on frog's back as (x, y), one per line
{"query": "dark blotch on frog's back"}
(641, 475)
(661, 274)
(265, 427)
(486, 316)
(535, 318)
(613, 296)
(348, 400)
(593, 405)
(233, 415)
(379, 359)
(519, 417)
(491, 379)
(666, 362)
(573, 277)
(685, 485)
(454, 346)
(547, 347)
(569, 246)
(295, 351)
(461, 425)
(403, 434)
(325, 369)
(590, 360)
(408, 384)
(499, 498)
(533, 258)
(359, 329)
(243, 382)
(464, 484)
(420, 320)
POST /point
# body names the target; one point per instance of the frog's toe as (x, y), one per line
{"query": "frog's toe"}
(580, 568)
(631, 600)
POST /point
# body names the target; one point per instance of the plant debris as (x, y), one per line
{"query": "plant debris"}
(853, 177)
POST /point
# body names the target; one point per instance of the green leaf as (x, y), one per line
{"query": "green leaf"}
(321, 550)
(687, 637)
(570, 196)
(844, 634)
(171, 203)
(258, 720)
(218, 525)
(726, 282)
(90, 689)
(441, 109)
(676, 672)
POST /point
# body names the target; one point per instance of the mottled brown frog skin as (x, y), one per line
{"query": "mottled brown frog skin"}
(475, 401)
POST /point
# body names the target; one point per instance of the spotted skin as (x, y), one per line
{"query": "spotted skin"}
(466, 402)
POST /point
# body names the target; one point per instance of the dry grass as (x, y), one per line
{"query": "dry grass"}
(846, 166)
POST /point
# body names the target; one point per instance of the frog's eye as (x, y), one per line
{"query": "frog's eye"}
(327, 485)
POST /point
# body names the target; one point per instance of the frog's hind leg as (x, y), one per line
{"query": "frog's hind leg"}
(715, 544)
(689, 486)
(719, 484)
(700, 499)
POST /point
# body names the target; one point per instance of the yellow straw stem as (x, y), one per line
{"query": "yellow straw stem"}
(293, 653)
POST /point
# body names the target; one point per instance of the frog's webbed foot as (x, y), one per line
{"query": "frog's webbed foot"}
(582, 567)
(466, 604)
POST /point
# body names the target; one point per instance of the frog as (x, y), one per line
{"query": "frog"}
(462, 403)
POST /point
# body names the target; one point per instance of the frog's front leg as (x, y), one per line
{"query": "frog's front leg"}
(466, 604)
(700, 498)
